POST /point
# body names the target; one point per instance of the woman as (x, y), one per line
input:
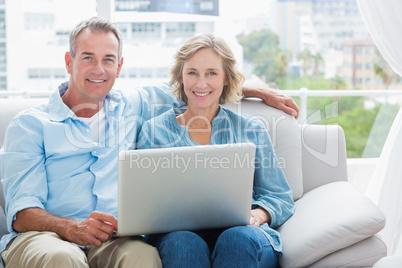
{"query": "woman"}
(204, 76)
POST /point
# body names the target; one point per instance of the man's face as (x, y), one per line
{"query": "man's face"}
(95, 66)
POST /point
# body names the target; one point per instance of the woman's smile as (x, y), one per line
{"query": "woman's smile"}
(202, 94)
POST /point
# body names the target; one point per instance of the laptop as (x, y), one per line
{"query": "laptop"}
(184, 188)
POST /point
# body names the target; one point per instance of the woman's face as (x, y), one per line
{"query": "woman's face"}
(203, 80)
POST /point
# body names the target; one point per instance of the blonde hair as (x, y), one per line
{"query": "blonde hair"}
(232, 91)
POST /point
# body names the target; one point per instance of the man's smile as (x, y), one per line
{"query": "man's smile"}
(96, 80)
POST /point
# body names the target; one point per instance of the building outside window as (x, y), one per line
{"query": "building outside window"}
(286, 44)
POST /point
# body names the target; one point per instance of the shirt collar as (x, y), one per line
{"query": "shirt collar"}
(220, 117)
(58, 111)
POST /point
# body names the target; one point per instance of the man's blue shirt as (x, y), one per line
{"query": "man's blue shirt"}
(50, 161)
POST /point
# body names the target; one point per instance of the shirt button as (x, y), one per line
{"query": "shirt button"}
(87, 130)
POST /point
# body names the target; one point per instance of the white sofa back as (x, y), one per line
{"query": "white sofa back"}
(285, 136)
(10, 108)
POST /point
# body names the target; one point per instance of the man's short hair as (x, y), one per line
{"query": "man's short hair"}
(95, 25)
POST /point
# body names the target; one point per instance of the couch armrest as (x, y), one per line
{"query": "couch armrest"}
(327, 219)
(324, 155)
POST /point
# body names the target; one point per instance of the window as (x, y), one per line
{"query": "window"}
(2, 24)
(207, 6)
(40, 73)
(3, 83)
(180, 30)
(133, 5)
(146, 73)
(132, 73)
(60, 73)
(38, 21)
(288, 44)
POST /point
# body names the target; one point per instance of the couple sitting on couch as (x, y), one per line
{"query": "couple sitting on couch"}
(59, 160)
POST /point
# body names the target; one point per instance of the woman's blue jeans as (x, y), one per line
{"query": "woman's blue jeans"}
(242, 246)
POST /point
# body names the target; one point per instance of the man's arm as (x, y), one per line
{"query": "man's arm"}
(96, 229)
(157, 99)
(272, 98)
(25, 182)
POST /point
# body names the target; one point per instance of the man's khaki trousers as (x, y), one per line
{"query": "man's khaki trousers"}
(47, 249)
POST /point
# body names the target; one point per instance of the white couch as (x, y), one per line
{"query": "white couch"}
(334, 225)
(394, 261)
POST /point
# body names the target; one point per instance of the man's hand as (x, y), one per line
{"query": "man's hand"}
(273, 98)
(95, 230)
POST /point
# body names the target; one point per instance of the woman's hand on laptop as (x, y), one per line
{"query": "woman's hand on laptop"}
(259, 216)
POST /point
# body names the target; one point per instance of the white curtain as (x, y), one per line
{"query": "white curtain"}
(384, 22)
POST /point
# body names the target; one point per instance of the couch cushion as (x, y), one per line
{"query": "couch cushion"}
(362, 254)
(3, 223)
(324, 152)
(285, 135)
(11, 107)
(328, 218)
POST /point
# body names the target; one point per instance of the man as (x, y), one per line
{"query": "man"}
(59, 161)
